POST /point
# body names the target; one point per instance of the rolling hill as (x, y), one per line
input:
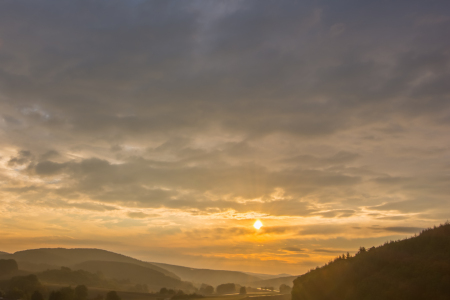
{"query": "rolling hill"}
(274, 282)
(212, 277)
(39, 260)
(155, 280)
(54, 258)
(268, 276)
(414, 268)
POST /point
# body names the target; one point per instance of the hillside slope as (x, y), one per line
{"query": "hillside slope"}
(50, 258)
(415, 268)
(212, 277)
(155, 280)
(274, 282)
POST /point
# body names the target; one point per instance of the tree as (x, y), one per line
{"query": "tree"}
(285, 289)
(8, 266)
(37, 296)
(14, 294)
(226, 288)
(206, 289)
(56, 295)
(243, 290)
(112, 295)
(23, 286)
(81, 292)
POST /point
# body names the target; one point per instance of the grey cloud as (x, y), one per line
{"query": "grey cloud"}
(341, 157)
(340, 213)
(22, 158)
(141, 183)
(332, 251)
(293, 249)
(399, 229)
(79, 205)
(141, 215)
(50, 154)
(149, 52)
(321, 230)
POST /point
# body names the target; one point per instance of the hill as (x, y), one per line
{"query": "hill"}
(274, 282)
(212, 277)
(268, 276)
(66, 276)
(155, 280)
(414, 268)
(54, 258)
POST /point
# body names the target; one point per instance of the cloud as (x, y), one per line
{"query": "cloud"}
(332, 251)
(141, 215)
(293, 249)
(314, 114)
(399, 229)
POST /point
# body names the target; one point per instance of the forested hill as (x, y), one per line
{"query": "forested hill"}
(54, 258)
(414, 268)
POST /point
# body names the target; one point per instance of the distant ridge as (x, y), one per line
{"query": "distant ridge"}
(46, 258)
(267, 276)
(92, 260)
(414, 268)
(212, 277)
(135, 273)
(274, 282)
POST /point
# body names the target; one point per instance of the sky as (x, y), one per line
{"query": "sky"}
(164, 129)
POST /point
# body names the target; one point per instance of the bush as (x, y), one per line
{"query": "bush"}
(226, 288)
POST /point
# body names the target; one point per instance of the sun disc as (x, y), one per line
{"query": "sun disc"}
(258, 224)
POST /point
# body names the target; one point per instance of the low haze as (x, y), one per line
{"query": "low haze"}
(164, 130)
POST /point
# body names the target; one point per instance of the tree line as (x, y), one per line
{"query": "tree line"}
(412, 269)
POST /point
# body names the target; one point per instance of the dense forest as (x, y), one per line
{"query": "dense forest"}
(414, 268)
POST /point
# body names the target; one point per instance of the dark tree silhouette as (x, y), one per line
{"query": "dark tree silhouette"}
(206, 289)
(285, 289)
(22, 287)
(37, 296)
(8, 266)
(226, 288)
(65, 293)
(410, 269)
(243, 291)
(81, 292)
(112, 295)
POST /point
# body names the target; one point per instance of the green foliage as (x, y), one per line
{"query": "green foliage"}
(81, 292)
(182, 295)
(8, 266)
(243, 290)
(66, 293)
(79, 277)
(415, 268)
(112, 295)
(37, 296)
(128, 272)
(22, 287)
(285, 289)
(226, 288)
(206, 289)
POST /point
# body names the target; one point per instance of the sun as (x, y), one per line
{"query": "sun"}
(258, 224)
